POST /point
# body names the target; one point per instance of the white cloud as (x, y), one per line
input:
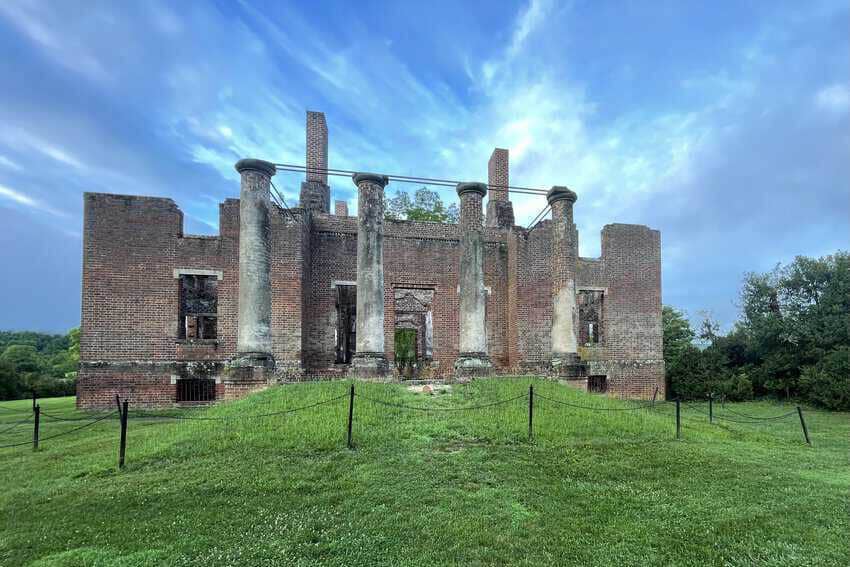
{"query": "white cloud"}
(27, 201)
(834, 98)
(44, 25)
(9, 164)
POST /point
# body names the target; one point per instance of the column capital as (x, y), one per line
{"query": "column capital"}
(374, 178)
(250, 164)
(471, 187)
(560, 193)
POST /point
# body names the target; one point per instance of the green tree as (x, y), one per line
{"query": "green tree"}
(22, 358)
(425, 205)
(11, 385)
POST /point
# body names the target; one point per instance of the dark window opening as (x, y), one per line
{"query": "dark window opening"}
(346, 331)
(198, 307)
(191, 390)
(590, 305)
(597, 384)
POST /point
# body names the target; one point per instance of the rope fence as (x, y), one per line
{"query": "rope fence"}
(550, 406)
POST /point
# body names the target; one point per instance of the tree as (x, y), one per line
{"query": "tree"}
(678, 335)
(22, 358)
(425, 205)
(44, 363)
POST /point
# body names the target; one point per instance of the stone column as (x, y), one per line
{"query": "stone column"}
(369, 359)
(254, 339)
(565, 359)
(472, 358)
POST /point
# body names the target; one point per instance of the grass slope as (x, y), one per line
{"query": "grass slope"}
(426, 488)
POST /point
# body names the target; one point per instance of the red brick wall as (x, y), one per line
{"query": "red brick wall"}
(130, 296)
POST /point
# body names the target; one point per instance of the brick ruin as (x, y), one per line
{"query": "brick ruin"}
(306, 293)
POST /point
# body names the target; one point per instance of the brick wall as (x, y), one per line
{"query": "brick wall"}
(132, 245)
(317, 146)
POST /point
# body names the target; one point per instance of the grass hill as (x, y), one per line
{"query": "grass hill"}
(253, 482)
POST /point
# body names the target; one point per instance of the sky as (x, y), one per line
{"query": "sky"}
(725, 125)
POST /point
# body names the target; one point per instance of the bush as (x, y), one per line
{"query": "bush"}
(738, 388)
(827, 383)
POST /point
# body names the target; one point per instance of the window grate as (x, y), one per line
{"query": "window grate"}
(195, 390)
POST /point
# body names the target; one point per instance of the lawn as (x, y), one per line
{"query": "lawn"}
(244, 483)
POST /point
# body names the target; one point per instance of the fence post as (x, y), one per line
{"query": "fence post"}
(711, 407)
(33, 400)
(678, 419)
(654, 396)
(803, 423)
(36, 419)
(350, 414)
(530, 411)
(122, 448)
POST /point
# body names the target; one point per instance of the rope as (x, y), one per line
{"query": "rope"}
(422, 408)
(732, 420)
(643, 406)
(98, 420)
(251, 416)
(11, 410)
(59, 418)
(730, 410)
(14, 425)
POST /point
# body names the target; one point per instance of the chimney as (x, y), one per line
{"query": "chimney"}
(341, 208)
(315, 193)
(500, 211)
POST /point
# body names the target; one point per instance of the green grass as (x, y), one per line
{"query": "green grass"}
(427, 488)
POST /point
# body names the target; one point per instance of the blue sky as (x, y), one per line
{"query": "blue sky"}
(726, 125)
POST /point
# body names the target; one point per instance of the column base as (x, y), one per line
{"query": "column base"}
(568, 365)
(369, 365)
(472, 364)
(248, 372)
(252, 360)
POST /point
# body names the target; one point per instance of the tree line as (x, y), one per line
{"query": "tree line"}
(791, 340)
(43, 363)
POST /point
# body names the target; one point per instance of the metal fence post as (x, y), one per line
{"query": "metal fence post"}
(711, 407)
(33, 400)
(36, 420)
(530, 411)
(350, 415)
(803, 423)
(122, 449)
(678, 419)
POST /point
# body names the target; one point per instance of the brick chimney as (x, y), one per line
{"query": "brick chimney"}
(315, 193)
(500, 211)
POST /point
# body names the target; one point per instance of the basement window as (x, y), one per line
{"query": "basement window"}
(195, 390)
(198, 307)
(597, 384)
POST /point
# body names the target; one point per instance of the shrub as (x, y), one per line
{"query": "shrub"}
(827, 383)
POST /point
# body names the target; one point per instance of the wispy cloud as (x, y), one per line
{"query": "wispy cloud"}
(20, 198)
(834, 98)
